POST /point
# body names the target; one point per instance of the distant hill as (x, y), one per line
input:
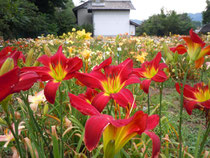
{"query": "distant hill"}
(196, 16)
(137, 21)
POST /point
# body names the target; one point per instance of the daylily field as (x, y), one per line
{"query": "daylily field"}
(112, 97)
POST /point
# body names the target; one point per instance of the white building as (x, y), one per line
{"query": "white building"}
(108, 17)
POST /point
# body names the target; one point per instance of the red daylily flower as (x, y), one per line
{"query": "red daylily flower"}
(89, 95)
(119, 131)
(152, 70)
(196, 48)
(82, 105)
(56, 69)
(111, 83)
(195, 97)
(9, 52)
(180, 49)
(14, 81)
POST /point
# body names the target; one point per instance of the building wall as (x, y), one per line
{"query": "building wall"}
(111, 23)
(83, 17)
(132, 30)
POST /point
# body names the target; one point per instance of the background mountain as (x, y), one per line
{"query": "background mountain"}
(137, 21)
(196, 16)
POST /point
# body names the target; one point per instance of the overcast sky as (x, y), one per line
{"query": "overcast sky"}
(146, 8)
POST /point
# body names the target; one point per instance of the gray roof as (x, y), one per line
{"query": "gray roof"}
(107, 5)
(205, 29)
(134, 23)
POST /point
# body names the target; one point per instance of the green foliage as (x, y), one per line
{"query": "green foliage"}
(165, 24)
(197, 23)
(87, 27)
(206, 13)
(65, 18)
(25, 18)
(49, 6)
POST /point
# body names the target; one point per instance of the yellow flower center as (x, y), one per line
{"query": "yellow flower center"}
(202, 95)
(57, 72)
(150, 72)
(112, 85)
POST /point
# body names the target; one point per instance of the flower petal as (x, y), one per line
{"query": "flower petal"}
(7, 82)
(44, 59)
(152, 122)
(206, 104)
(103, 64)
(82, 105)
(3, 138)
(126, 69)
(94, 128)
(100, 101)
(59, 58)
(155, 143)
(204, 51)
(199, 62)
(124, 98)
(160, 77)
(162, 66)
(195, 38)
(140, 71)
(180, 49)
(74, 64)
(188, 91)
(43, 72)
(189, 105)
(145, 85)
(155, 62)
(132, 80)
(50, 91)
(89, 80)
(26, 81)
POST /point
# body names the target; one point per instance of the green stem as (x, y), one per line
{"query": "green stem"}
(160, 111)
(180, 113)
(61, 119)
(14, 135)
(34, 120)
(148, 103)
(202, 74)
(204, 140)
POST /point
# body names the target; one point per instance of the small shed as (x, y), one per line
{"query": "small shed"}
(108, 17)
(205, 29)
(133, 26)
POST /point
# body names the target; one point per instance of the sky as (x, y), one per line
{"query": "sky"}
(147, 8)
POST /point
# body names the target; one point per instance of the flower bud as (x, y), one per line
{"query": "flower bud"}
(7, 66)
(4, 103)
(167, 52)
(17, 115)
(3, 121)
(29, 57)
(37, 63)
(67, 122)
(54, 133)
(47, 51)
(45, 110)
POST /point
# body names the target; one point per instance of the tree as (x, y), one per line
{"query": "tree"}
(65, 18)
(206, 13)
(164, 24)
(22, 18)
(48, 6)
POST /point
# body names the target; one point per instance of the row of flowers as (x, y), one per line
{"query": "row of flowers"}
(118, 122)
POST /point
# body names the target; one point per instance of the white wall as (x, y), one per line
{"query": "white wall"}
(84, 17)
(132, 30)
(111, 23)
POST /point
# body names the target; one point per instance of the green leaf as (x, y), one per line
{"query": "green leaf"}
(55, 147)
